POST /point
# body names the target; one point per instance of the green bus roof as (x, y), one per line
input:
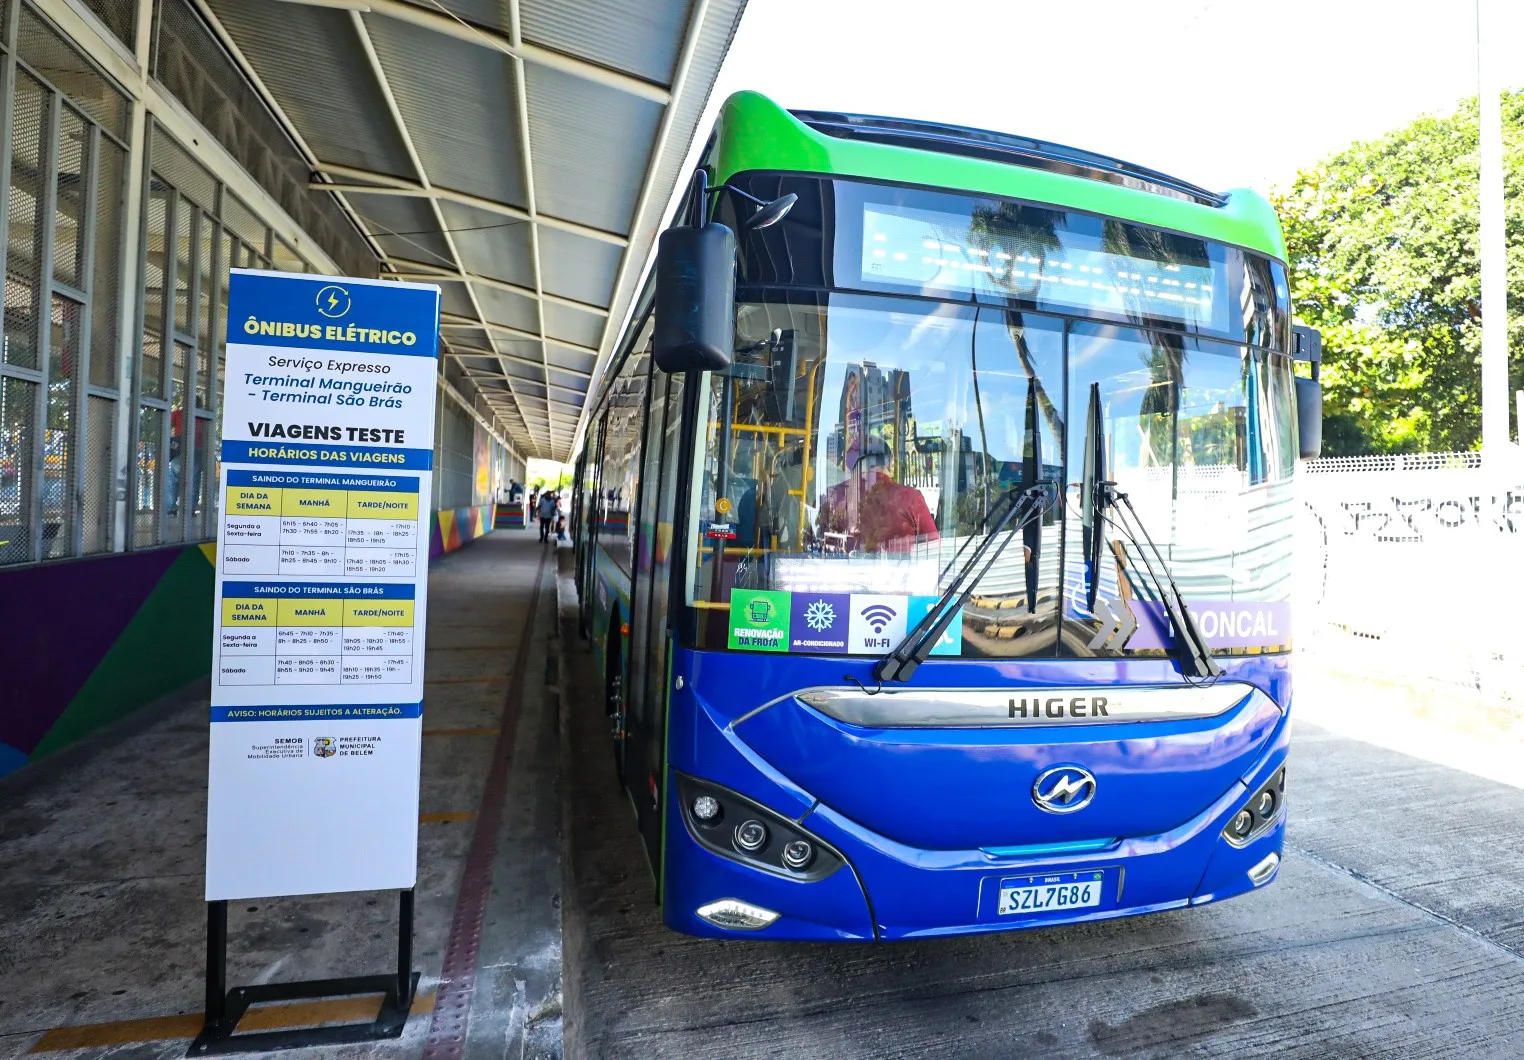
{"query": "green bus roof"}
(753, 133)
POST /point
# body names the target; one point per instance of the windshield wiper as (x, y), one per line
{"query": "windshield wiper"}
(1098, 496)
(901, 662)
(1191, 646)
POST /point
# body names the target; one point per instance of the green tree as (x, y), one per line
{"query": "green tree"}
(1382, 240)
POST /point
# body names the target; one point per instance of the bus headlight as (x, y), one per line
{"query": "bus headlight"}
(751, 836)
(1260, 813)
(798, 854)
(762, 838)
(707, 809)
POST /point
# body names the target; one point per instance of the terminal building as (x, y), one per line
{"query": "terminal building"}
(518, 155)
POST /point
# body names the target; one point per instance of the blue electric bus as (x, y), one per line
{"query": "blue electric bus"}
(933, 529)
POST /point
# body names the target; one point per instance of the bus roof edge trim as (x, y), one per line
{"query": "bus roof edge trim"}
(754, 133)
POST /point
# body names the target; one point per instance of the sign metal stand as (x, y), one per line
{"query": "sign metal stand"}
(226, 1008)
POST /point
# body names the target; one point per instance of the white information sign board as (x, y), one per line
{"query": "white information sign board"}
(322, 575)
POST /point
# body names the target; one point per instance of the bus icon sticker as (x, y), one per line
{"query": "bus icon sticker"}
(759, 620)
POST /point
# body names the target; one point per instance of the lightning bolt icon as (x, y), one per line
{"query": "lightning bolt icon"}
(333, 301)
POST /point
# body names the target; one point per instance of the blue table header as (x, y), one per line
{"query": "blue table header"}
(354, 457)
(332, 313)
(323, 712)
(346, 590)
(313, 481)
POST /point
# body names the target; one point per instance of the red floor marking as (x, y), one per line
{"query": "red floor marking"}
(457, 981)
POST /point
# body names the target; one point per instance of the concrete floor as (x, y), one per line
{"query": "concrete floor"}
(102, 920)
(1396, 928)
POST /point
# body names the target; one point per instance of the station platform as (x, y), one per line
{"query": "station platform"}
(1394, 929)
(102, 846)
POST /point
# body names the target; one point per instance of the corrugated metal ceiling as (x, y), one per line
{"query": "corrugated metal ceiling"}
(413, 112)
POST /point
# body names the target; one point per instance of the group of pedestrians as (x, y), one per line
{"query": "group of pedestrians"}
(547, 508)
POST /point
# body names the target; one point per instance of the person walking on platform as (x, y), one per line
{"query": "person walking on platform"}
(546, 510)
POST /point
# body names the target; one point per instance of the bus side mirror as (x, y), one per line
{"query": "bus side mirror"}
(1307, 345)
(695, 299)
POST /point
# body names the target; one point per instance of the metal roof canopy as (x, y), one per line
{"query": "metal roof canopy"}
(518, 153)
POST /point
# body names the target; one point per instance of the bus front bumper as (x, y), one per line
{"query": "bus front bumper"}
(887, 890)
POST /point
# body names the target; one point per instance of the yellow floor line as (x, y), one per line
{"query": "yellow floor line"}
(272, 1017)
(461, 732)
(446, 815)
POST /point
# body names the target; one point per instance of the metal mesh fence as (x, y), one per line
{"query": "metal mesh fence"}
(119, 16)
(149, 460)
(64, 445)
(151, 359)
(18, 438)
(69, 208)
(50, 55)
(24, 223)
(189, 61)
(105, 286)
(454, 455)
(59, 453)
(99, 475)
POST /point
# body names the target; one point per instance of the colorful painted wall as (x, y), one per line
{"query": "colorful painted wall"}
(453, 527)
(87, 642)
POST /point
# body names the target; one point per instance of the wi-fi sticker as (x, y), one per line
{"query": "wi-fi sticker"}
(878, 616)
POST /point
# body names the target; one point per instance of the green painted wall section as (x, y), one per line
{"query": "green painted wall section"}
(167, 645)
(754, 133)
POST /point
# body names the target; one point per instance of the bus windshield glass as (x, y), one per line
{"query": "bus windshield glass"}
(860, 438)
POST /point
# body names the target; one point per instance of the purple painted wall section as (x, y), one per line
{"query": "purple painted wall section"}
(56, 624)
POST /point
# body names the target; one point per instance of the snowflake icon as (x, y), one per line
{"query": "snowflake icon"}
(820, 616)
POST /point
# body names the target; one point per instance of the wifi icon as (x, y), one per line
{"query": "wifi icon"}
(878, 616)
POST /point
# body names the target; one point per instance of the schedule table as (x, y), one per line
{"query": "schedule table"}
(315, 524)
(315, 633)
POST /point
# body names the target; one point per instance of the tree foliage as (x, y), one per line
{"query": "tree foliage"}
(1382, 240)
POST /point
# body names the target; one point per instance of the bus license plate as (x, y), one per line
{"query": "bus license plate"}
(1051, 892)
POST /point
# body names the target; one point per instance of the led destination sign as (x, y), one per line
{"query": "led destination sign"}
(935, 250)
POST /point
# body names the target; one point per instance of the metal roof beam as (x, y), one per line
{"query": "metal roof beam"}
(521, 106)
(476, 373)
(419, 270)
(517, 333)
(379, 72)
(450, 25)
(386, 184)
(459, 352)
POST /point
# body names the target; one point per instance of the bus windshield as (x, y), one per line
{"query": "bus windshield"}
(858, 440)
